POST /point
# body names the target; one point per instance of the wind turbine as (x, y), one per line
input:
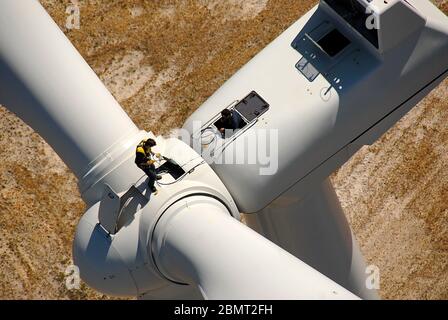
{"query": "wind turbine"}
(328, 85)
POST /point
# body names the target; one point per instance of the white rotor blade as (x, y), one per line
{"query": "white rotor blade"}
(196, 241)
(46, 82)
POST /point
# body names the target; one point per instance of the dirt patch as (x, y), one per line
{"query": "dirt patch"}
(235, 9)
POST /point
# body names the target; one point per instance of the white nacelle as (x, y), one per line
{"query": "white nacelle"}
(325, 86)
(332, 86)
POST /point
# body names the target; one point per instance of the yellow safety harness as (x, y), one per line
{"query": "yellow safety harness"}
(141, 149)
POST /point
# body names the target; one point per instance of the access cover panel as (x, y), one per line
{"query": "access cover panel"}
(252, 106)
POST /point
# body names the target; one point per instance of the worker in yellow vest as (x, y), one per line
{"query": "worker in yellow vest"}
(145, 159)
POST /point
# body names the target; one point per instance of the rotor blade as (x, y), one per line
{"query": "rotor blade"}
(197, 242)
(46, 82)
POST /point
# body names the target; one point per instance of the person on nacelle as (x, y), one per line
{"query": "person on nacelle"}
(145, 159)
(230, 120)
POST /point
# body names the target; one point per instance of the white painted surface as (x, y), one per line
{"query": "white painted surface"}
(47, 83)
(228, 260)
(315, 230)
(122, 264)
(368, 91)
(317, 135)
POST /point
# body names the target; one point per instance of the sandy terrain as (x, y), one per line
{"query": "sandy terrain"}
(161, 60)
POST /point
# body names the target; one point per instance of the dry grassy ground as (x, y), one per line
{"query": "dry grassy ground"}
(161, 60)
